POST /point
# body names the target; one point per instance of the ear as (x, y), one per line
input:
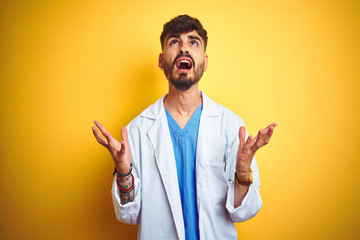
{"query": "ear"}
(206, 62)
(160, 63)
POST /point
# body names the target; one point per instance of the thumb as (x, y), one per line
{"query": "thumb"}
(124, 142)
(242, 135)
(124, 134)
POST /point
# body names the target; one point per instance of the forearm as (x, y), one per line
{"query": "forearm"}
(127, 213)
(244, 200)
(247, 207)
(243, 179)
(240, 193)
(126, 187)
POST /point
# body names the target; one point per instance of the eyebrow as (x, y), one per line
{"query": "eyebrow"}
(174, 36)
(194, 37)
(178, 36)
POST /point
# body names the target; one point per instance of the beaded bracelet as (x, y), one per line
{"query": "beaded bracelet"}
(122, 174)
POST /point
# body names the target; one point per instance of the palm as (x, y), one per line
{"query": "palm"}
(248, 148)
(119, 151)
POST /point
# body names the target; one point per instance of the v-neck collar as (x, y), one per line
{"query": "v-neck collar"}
(195, 117)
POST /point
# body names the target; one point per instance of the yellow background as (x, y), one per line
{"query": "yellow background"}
(64, 64)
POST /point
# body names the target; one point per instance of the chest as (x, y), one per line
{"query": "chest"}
(181, 120)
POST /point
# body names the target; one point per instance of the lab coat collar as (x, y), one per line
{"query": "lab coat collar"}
(210, 108)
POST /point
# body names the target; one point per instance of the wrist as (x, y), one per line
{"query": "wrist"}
(243, 175)
(244, 178)
(123, 169)
(243, 172)
(125, 183)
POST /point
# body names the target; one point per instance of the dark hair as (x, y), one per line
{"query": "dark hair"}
(183, 24)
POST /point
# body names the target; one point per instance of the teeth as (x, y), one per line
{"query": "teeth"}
(184, 64)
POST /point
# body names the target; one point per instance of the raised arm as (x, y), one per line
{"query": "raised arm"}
(120, 152)
(245, 154)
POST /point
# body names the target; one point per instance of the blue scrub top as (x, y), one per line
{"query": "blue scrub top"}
(184, 143)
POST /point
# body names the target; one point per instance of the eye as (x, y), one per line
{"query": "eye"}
(194, 43)
(174, 42)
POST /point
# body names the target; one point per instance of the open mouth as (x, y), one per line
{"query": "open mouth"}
(184, 64)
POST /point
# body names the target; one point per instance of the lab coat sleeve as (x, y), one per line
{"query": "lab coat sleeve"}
(252, 202)
(129, 212)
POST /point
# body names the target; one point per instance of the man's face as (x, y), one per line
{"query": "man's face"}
(183, 59)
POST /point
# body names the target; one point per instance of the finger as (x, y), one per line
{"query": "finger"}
(103, 130)
(258, 136)
(266, 130)
(250, 145)
(124, 134)
(99, 138)
(242, 135)
(261, 133)
(261, 138)
(270, 132)
(124, 141)
(265, 137)
(272, 125)
(249, 142)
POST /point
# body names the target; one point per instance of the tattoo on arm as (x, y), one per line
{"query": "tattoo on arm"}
(127, 196)
(125, 183)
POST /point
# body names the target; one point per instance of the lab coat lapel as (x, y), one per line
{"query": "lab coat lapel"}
(161, 140)
(204, 148)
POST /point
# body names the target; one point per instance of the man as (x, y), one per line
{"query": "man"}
(185, 169)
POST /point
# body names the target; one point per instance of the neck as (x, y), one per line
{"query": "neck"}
(182, 103)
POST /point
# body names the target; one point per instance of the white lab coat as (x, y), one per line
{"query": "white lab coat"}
(157, 205)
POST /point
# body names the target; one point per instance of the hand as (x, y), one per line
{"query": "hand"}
(120, 151)
(247, 150)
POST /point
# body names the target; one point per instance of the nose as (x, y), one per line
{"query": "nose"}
(184, 51)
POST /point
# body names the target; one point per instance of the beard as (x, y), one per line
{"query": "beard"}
(183, 82)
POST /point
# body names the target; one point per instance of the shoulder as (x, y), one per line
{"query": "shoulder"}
(225, 115)
(230, 123)
(224, 123)
(147, 117)
(229, 116)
